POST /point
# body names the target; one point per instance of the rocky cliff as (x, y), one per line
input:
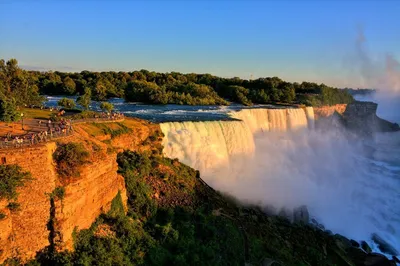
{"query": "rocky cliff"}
(359, 117)
(24, 232)
(43, 220)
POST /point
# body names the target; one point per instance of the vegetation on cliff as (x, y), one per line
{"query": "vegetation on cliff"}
(69, 158)
(160, 88)
(11, 177)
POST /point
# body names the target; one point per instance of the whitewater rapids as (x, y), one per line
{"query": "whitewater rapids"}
(276, 157)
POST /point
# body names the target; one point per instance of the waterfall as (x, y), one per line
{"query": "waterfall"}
(210, 146)
(213, 147)
(271, 157)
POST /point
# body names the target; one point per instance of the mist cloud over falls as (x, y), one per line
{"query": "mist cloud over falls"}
(382, 74)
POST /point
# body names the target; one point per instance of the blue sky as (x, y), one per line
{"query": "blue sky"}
(295, 40)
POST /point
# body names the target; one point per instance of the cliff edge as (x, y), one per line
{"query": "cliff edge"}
(358, 117)
(43, 219)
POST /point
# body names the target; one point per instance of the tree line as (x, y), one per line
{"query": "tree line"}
(26, 87)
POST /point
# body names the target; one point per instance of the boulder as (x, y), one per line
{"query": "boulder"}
(366, 247)
(357, 256)
(342, 242)
(384, 246)
(301, 215)
(354, 243)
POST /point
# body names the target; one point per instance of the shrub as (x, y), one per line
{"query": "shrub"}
(67, 103)
(122, 129)
(2, 216)
(84, 100)
(13, 206)
(54, 117)
(135, 167)
(84, 115)
(106, 107)
(8, 110)
(11, 177)
(69, 158)
(58, 193)
(117, 206)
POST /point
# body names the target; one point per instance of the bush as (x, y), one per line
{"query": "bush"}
(84, 115)
(106, 107)
(8, 110)
(2, 216)
(11, 177)
(107, 130)
(84, 100)
(69, 158)
(54, 117)
(58, 193)
(13, 206)
(135, 167)
(67, 103)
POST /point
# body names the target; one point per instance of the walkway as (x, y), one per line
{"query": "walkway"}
(43, 132)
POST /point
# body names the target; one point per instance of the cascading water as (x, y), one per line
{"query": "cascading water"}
(209, 146)
(271, 157)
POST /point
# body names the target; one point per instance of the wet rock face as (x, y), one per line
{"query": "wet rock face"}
(384, 246)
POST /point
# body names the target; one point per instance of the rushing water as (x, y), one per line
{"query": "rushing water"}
(274, 156)
(163, 113)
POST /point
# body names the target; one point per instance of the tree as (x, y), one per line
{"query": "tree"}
(140, 91)
(84, 100)
(107, 107)
(8, 110)
(67, 103)
(18, 84)
(69, 85)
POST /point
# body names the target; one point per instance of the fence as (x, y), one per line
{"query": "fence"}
(48, 132)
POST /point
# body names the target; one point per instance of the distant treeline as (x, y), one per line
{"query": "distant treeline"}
(164, 88)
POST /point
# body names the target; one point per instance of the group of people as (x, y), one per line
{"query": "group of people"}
(48, 130)
(112, 116)
(53, 130)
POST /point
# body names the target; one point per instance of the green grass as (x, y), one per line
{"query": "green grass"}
(33, 113)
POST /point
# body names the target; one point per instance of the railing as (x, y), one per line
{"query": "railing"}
(48, 132)
(97, 119)
(27, 142)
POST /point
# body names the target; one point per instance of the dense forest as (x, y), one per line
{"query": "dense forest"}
(161, 88)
